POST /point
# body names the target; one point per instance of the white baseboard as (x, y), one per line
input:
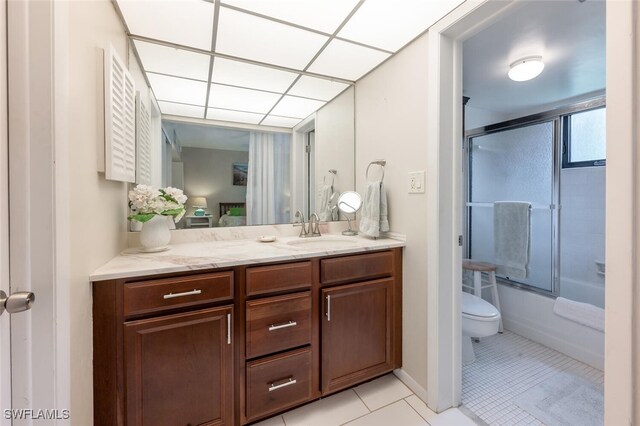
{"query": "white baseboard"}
(548, 338)
(411, 383)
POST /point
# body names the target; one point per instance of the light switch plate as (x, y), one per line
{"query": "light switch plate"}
(416, 182)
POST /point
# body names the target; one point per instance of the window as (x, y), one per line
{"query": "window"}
(584, 142)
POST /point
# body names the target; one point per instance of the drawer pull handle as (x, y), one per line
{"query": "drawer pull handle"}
(278, 327)
(291, 381)
(186, 293)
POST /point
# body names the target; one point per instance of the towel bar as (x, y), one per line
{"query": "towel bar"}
(333, 173)
(380, 163)
(533, 206)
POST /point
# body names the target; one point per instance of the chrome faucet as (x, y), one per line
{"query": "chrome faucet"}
(303, 231)
(312, 229)
(314, 225)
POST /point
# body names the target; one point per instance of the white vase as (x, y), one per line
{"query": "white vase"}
(155, 235)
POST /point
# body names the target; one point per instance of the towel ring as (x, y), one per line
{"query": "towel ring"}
(380, 163)
(333, 173)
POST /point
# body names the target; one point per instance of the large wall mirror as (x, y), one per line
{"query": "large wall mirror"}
(237, 175)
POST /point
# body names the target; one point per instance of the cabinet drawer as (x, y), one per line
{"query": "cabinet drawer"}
(278, 323)
(359, 267)
(277, 383)
(159, 295)
(273, 278)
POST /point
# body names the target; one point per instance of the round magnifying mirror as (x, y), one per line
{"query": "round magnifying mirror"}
(349, 203)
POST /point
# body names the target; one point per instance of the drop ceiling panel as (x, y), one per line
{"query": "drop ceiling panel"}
(249, 37)
(321, 15)
(347, 60)
(182, 110)
(174, 89)
(291, 106)
(167, 60)
(237, 73)
(392, 24)
(274, 120)
(185, 22)
(239, 99)
(317, 88)
(236, 116)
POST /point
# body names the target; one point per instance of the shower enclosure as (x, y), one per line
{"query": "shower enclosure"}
(530, 159)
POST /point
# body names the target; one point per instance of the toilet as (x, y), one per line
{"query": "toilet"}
(479, 319)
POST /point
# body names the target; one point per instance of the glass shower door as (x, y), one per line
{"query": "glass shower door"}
(514, 165)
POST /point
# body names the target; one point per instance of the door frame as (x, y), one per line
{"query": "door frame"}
(444, 213)
(38, 39)
(444, 186)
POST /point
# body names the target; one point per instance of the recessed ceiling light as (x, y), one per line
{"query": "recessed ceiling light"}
(526, 68)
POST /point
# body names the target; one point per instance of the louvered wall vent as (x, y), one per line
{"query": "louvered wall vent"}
(120, 116)
(143, 144)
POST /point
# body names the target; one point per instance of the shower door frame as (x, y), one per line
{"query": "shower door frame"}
(555, 117)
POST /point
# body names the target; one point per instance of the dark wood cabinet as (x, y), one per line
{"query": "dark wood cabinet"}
(232, 346)
(278, 382)
(179, 369)
(357, 333)
(278, 323)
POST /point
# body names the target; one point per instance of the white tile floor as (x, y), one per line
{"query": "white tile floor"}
(382, 402)
(507, 365)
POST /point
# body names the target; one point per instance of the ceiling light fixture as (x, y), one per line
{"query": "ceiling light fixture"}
(526, 68)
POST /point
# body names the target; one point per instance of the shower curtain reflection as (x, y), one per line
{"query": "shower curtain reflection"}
(268, 192)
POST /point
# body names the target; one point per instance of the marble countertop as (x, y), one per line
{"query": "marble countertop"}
(219, 254)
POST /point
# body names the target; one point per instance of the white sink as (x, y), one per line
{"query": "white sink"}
(323, 243)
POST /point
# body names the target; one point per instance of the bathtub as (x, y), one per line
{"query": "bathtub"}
(531, 315)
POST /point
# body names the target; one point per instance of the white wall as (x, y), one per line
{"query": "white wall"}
(335, 142)
(98, 207)
(391, 113)
(207, 173)
(478, 117)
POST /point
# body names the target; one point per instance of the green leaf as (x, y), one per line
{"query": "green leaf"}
(142, 217)
(173, 212)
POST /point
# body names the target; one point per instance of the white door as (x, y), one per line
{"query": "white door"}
(5, 340)
(33, 354)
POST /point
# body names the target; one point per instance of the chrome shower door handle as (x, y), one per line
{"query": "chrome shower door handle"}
(17, 302)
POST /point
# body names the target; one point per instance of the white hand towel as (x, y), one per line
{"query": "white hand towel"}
(511, 236)
(384, 215)
(324, 212)
(374, 210)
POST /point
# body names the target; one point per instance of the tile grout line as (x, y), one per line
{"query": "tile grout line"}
(360, 398)
(377, 409)
(414, 409)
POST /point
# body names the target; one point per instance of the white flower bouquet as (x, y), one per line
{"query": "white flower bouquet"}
(146, 202)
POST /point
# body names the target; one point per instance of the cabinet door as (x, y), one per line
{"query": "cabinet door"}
(356, 333)
(179, 369)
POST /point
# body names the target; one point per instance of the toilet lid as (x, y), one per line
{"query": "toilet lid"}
(477, 307)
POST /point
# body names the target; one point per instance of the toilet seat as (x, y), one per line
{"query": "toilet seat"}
(478, 309)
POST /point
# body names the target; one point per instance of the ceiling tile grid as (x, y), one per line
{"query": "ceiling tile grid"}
(271, 62)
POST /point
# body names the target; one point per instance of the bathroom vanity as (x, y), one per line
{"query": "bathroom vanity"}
(219, 340)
